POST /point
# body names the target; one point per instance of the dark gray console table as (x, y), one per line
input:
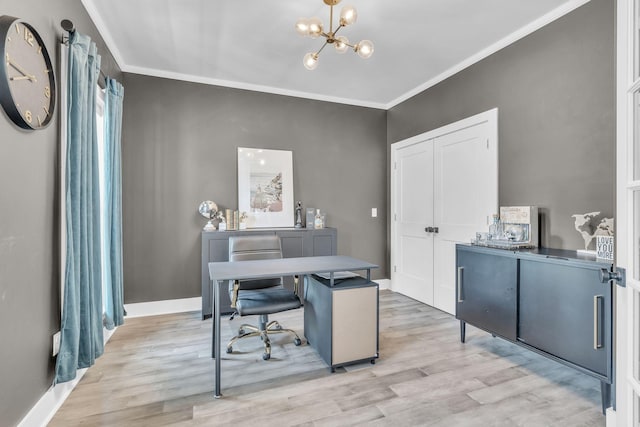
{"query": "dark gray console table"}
(296, 242)
(551, 301)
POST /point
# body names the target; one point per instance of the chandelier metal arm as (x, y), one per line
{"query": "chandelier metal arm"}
(352, 46)
(331, 19)
(323, 46)
(337, 29)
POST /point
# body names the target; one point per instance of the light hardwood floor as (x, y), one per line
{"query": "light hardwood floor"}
(158, 371)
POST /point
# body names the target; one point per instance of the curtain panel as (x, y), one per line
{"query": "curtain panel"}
(81, 330)
(113, 288)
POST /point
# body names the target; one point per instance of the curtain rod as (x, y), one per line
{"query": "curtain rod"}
(68, 26)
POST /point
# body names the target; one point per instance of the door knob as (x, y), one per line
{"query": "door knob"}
(429, 229)
(435, 229)
(619, 276)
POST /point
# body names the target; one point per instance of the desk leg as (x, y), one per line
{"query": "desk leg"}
(215, 342)
(214, 285)
(369, 274)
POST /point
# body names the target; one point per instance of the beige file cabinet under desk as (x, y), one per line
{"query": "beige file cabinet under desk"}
(341, 321)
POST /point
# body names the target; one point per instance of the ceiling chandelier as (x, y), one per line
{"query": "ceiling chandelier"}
(312, 27)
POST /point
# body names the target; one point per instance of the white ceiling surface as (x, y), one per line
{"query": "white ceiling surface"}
(252, 44)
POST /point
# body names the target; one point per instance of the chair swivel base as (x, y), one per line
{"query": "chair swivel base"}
(273, 327)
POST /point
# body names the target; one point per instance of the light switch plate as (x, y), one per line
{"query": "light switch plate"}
(374, 212)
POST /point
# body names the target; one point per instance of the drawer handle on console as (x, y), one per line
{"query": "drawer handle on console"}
(596, 322)
(460, 284)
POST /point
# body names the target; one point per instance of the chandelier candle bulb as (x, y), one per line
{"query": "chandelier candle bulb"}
(315, 27)
(348, 15)
(342, 44)
(364, 49)
(310, 61)
(302, 27)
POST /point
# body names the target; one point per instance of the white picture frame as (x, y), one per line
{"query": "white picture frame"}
(265, 187)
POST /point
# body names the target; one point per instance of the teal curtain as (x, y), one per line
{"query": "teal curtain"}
(113, 289)
(81, 331)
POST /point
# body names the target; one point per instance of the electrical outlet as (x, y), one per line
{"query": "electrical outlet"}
(374, 212)
(56, 343)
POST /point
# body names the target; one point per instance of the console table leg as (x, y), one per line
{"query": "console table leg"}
(462, 331)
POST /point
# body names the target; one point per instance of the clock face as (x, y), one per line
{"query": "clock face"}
(27, 80)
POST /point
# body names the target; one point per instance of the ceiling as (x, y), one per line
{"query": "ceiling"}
(252, 44)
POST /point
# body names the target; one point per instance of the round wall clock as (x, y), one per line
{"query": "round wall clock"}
(27, 79)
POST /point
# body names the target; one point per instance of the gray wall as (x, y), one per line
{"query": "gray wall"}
(29, 285)
(179, 148)
(555, 91)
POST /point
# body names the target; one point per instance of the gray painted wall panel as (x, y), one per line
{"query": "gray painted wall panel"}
(179, 148)
(555, 91)
(29, 255)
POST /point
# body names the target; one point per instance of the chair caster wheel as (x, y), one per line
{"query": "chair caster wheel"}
(266, 356)
(373, 362)
(297, 341)
(229, 349)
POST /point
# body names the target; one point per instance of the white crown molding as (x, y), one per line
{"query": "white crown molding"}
(248, 86)
(501, 44)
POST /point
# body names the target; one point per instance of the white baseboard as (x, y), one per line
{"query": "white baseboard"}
(155, 308)
(610, 417)
(44, 410)
(383, 283)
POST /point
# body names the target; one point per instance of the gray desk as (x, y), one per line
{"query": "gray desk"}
(219, 272)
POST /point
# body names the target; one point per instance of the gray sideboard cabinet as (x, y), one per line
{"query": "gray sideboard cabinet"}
(296, 242)
(550, 301)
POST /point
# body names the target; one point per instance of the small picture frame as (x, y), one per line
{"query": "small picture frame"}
(310, 217)
(605, 246)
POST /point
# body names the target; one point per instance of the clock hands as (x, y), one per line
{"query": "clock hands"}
(22, 78)
(25, 75)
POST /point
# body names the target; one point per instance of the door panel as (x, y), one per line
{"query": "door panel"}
(444, 279)
(465, 196)
(414, 269)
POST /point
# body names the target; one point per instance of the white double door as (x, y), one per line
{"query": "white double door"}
(444, 189)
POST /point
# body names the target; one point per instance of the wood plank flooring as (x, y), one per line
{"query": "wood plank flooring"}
(157, 371)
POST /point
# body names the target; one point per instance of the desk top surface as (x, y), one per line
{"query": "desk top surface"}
(258, 269)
